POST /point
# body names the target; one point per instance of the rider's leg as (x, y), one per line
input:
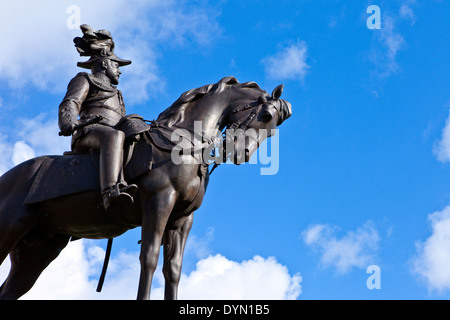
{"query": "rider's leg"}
(110, 143)
(111, 156)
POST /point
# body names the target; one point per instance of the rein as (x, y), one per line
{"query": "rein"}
(156, 127)
(241, 123)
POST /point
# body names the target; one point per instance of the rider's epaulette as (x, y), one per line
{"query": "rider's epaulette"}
(98, 84)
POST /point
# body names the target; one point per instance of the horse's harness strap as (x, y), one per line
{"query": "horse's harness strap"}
(243, 123)
(239, 124)
(195, 147)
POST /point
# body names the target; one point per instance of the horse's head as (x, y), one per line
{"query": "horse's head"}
(249, 114)
(253, 121)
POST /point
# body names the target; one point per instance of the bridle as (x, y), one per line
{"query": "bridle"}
(242, 123)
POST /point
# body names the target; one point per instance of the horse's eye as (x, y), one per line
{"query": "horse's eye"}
(262, 99)
(266, 116)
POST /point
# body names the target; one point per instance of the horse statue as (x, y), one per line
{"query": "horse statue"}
(48, 201)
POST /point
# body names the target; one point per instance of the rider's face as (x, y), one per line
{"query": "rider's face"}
(112, 71)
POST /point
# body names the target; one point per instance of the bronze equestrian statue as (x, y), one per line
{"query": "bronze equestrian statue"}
(48, 201)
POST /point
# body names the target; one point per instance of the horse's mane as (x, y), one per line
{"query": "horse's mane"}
(175, 113)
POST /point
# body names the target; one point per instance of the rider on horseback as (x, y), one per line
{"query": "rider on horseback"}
(97, 102)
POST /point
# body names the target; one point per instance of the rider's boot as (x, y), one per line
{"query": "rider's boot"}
(120, 194)
(111, 156)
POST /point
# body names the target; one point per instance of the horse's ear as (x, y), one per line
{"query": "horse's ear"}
(276, 93)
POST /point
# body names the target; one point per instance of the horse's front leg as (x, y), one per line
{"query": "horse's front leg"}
(174, 242)
(156, 211)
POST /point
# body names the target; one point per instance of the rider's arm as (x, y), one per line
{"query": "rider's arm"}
(69, 109)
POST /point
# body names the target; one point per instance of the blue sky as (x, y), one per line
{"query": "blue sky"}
(363, 176)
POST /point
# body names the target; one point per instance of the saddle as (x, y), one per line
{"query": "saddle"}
(78, 171)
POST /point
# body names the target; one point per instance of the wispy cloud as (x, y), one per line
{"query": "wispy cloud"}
(289, 63)
(388, 43)
(432, 260)
(38, 50)
(354, 249)
(406, 12)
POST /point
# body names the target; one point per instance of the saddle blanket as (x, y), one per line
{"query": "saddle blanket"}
(73, 173)
(63, 175)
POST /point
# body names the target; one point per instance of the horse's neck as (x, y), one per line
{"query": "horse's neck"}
(206, 117)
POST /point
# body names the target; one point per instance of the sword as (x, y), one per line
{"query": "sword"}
(94, 119)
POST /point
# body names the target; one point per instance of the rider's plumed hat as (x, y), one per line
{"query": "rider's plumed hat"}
(98, 45)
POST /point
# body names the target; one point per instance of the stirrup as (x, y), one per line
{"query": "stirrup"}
(131, 189)
(113, 197)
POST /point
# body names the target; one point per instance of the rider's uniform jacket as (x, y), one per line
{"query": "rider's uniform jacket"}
(86, 97)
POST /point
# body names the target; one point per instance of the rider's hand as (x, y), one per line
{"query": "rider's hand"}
(68, 128)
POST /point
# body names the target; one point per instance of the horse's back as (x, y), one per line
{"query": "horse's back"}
(20, 176)
(62, 175)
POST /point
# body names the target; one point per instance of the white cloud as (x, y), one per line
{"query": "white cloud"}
(354, 249)
(198, 247)
(37, 44)
(441, 149)
(217, 277)
(41, 134)
(6, 150)
(74, 275)
(288, 63)
(432, 260)
(21, 152)
(31, 137)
